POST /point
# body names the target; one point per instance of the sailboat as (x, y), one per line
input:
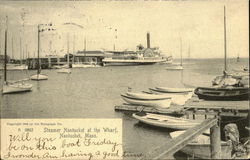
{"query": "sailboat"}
(12, 87)
(13, 66)
(38, 76)
(177, 67)
(66, 69)
(226, 87)
(238, 58)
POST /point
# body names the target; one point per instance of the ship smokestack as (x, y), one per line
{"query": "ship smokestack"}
(148, 40)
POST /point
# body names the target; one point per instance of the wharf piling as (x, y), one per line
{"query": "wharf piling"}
(215, 113)
(167, 150)
(46, 62)
(1, 84)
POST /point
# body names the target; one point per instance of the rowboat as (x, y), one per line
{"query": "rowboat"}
(224, 94)
(165, 121)
(200, 147)
(175, 90)
(146, 96)
(175, 98)
(158, 103)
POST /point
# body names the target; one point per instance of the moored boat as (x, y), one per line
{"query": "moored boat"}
(218, 93)
(16, 87)
(165, 121)
(175, 98)
(200, 147)
(146, 96)
(142, 56)
(184, 95)
(38, 77)
(158, 103)
(175, 90)
(228, 87)
(15, 67)
(180, 66)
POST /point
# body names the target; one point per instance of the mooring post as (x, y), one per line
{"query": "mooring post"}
(215, 141)
(49, 61)
(1, 84)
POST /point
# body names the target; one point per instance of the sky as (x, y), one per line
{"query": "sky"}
(196, 24)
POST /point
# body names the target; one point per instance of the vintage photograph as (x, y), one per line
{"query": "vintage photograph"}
(114, 79)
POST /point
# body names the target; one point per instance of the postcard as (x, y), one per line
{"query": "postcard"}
(115, 79)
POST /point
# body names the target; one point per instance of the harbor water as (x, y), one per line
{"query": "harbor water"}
(93, 93)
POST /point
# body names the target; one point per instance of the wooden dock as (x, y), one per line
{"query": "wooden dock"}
(196, 106)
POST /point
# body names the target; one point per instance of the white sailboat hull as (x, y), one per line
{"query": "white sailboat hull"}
(16, 87)
(158, 103)
(64, 70)
(166, 121)
(14, 67)
(39, 77)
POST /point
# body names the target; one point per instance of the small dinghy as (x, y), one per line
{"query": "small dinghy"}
(39, 77)
(174, 90)
(177, 98)
(154, 102)
(146, 95)
(223, 94)
(200, 147)
(165, 121)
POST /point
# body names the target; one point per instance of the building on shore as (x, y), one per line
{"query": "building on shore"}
(46, 62)
(89, 57)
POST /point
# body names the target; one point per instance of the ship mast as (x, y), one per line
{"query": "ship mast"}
(68, 49)
(5, 51)
(38, 51)
(225, 41)
(12, 48)
(181, 50)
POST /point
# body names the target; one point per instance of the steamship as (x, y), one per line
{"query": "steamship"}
(143, 56)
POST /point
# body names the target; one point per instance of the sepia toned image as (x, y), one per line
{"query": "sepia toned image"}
(114, 79)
